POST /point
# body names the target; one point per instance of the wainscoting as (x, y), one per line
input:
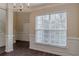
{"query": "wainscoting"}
(22, 36)
(2, 40)
(21, 48)
(71, 49)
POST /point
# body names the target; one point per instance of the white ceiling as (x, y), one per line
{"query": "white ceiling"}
(37, 4)
(24, 6)
(32, 5)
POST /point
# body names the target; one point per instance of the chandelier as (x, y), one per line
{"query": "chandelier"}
(20, 6)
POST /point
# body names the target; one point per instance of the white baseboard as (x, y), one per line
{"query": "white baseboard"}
(14, 41)
(23, 40)
(10, 50)
(53, 52)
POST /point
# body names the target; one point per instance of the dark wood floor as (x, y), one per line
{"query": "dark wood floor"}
(2, 49)
(21, 48)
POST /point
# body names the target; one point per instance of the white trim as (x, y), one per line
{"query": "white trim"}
(73, 38)
(53, 52)
(69, 38)
(14, 41)
(23, 40)
(10, 50)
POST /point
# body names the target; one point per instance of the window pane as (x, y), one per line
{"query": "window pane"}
(2, 17)
(52, 21)
(39, 22)
(46, 22)
(58, 21)
(46, 36)
(39, 36)
(58, 38)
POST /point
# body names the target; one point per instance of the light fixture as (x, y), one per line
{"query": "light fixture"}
(14, 5)
(28, 5)
(20, 6)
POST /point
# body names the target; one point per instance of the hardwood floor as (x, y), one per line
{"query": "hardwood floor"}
(2, 49)
(21, 48)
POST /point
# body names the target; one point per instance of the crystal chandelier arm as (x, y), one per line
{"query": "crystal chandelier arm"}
(28, 5)
(14, 5)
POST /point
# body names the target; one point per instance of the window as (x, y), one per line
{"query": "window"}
(2, 18)
(51, 29)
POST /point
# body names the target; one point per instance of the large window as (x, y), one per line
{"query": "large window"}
(51, 29)
(2, 18)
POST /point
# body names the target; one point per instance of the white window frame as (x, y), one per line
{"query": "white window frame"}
(56, 29)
